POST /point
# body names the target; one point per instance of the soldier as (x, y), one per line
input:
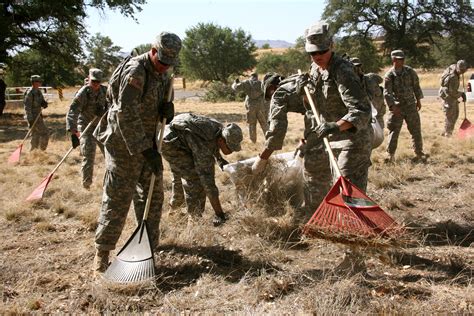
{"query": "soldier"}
(253, 104)
(34, 102)
(190, 145)
(371, 84)
(3, 88)
(88, 105)
(344, 110)
(449, 93)
(137, 94)
(403, 97)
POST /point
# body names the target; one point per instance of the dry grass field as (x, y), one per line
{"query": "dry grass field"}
(256, 263)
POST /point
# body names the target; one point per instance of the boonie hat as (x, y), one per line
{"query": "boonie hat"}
(356, 61)
(232, 134)
(168, 46)
(397, 54)
(317, 37)
(95, 74)
(36, 78)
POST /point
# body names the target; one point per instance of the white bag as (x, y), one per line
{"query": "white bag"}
(377, 139)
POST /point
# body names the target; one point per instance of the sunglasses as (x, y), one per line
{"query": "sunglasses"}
(163, 64)
(319, 53)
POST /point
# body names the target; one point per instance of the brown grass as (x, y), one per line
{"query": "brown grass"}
(255, 263)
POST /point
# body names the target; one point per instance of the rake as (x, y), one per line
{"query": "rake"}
(466, 129)
(38, 193)
(346, 213)
(135, 262)
(15, 156)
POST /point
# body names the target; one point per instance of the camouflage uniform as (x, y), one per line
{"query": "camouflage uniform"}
(33, 102)
(371, 84)
(86, 106)
(256, 110)
(450, 95)
(402, 90)
(352, 147)
(3, 88)
(190, 147)
(132, 119)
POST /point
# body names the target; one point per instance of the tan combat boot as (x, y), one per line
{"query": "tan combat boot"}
(101, 262)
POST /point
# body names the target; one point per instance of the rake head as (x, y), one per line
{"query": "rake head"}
(15, 156)
(134, 262)
(466, 129)
(38, 193)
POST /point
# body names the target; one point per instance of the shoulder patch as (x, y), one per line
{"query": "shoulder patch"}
(135, 82)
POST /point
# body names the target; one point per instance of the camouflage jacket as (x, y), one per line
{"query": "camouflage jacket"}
(33, 101)
(253, 91)
(86, 105)
(197, 136)
(402, 88)
(338, 94)
(450, 85)
(371, 83)
(134, 101)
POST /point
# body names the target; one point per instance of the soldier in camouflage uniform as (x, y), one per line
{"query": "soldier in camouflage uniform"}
(403, 97)
(344, 110)
(33, 103)
(137, 94)
(190, 145)
(88, 106)
(253, 104)
(449, 93)
(3, 88)
(371, 84)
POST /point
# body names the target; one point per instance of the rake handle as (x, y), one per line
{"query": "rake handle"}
(160, 133)
(31, 128)
(464, 90)
(332, 158)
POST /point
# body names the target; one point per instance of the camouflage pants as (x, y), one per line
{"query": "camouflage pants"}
(254, 115)
(394, 125)
(88, 149)
(451, 111)
(122, 184)
(353, 162)
(39, 135)
(177, 192)
(182, 166)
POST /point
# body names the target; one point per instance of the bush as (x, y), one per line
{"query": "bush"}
(219, 92)
(284, 64)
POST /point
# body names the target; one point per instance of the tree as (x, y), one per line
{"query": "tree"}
(266, 46)
(102, 54)
(214, 53)
(361, 47)
(410, 25)
(285, 64)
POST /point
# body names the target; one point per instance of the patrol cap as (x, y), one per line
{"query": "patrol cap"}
(397, 54)
(461, 65)
(95, 74)
(232, 134)
(168, 46)
(36, 78)
(356, 61)
(318, 37)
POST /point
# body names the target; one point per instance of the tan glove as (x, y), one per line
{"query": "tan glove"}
(259, 165)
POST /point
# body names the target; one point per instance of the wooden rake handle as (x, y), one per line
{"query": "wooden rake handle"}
(31, 128)
(160, 134)
(464, 90)
(332, 158)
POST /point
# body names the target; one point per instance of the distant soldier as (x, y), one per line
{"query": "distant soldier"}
(137, 95)
(88, 105)
(3, 88)
(403, 96)
(191, 143)
(34, 102)
(371, 84)
(254, 104)
(449, 93)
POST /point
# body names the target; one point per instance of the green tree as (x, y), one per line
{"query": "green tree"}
(285, 64)
(102, 54)
(214, 53)
(361, 47)
(413, 26)
(140, 49)
(266, 46)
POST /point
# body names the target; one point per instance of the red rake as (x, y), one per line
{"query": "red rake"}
(38, 193)
(466, 129)
(346, 211)
(15, 156)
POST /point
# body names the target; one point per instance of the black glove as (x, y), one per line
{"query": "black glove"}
(463, 96)
(236, 80)
(221, 162)
(75, 140)
(301, 81)
(166, 111)
(44, 104)
(326, 128)
(153, 158)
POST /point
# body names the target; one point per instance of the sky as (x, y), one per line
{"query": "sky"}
(263, 19)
